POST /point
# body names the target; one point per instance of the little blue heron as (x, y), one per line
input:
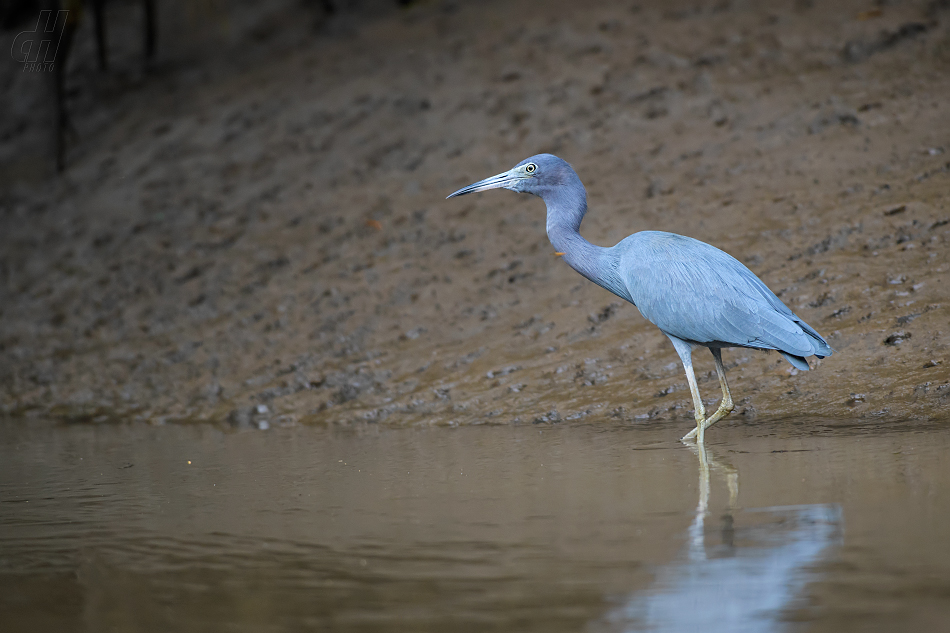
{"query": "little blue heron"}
(695, 293)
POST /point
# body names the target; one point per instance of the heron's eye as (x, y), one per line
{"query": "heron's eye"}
(530, 168)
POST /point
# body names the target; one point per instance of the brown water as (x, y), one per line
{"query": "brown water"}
(594, 527)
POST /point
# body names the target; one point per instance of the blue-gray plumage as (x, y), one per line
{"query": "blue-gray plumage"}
(695, 293)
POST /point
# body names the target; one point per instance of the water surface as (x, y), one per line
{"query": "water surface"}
(601, 526)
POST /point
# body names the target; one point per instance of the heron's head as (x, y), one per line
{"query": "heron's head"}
(542, 175)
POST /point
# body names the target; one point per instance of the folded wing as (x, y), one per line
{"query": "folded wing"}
(701, 294)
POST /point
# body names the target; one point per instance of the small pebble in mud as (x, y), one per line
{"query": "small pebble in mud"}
(931, 363)
(896, 210)
(855, 399)
(897, 338)
(904, 320)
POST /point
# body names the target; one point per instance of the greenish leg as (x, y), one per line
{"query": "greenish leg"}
(699, 409)
(725, 406)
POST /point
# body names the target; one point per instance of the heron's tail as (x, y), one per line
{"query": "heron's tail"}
(797, 361)
(821, 347)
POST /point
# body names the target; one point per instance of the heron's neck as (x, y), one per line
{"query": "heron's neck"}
(597, 263)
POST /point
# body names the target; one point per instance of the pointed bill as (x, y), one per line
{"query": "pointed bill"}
(501, 181)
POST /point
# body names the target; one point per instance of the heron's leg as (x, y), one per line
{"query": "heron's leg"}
(725, 406)
(685, 351)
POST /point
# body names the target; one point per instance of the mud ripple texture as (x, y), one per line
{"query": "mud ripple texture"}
(255, 234)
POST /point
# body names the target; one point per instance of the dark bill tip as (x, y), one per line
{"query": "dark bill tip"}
(495, 182)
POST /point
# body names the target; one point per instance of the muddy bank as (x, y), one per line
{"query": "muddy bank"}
(265, 241)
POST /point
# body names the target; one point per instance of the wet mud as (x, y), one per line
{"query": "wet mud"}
(254, 234)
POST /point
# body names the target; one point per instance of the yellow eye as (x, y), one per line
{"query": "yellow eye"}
(530, 168)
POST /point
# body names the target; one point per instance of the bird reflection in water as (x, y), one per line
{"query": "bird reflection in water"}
(744, 584)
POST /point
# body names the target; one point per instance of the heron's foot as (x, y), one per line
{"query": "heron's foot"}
(725, 408)
(699, 431)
